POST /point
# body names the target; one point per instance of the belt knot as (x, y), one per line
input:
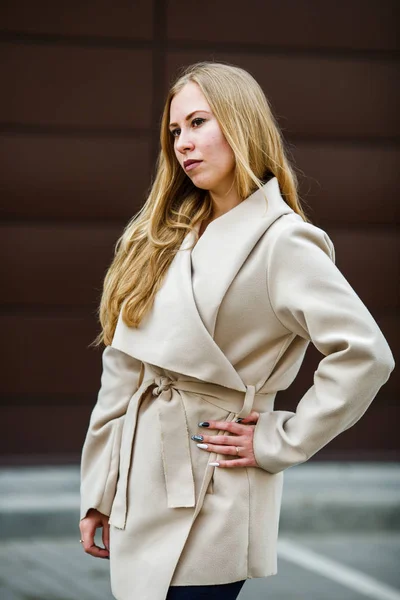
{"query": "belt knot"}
(162, 385)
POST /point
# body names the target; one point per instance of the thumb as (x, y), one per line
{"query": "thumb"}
(251, 419)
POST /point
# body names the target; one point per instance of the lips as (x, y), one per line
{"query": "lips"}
(188, 163)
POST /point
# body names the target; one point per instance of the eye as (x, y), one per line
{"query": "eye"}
(198, 121)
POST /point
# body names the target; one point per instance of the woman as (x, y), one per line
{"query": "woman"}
(217, 287)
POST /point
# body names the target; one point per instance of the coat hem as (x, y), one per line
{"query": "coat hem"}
(230, 580)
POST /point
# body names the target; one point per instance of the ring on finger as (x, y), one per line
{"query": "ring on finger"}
(237, 451)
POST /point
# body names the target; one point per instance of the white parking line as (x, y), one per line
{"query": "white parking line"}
(351, 578)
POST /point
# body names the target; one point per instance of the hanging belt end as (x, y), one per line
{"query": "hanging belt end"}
(181, 502)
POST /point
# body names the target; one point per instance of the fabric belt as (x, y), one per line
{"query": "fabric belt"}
(179, 480)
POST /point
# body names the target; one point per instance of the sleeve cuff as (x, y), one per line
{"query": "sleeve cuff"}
(272, 450)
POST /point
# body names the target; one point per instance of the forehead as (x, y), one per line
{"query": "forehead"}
(188, 99)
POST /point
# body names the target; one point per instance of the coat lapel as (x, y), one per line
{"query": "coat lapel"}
(174, 334)
(226, 244)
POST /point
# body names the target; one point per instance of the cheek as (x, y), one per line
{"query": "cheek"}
(218, 147)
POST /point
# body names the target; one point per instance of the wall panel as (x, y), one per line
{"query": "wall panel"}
(370, 259)
(374, 435)
(43, 430)
(73, 177)
(82, 88)
(104, 18)
(51, 265)
(65, 265)
(75, 86)
(318, 96)
(301, 24)
(389, 322)
(49, 361)
(349, 184)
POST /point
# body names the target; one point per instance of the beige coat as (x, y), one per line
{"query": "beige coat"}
(228, 330)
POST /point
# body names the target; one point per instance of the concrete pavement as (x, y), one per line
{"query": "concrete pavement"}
(310, 567)
(339, 536)
(317, 497)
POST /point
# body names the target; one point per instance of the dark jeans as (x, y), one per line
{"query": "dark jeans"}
(227, 591)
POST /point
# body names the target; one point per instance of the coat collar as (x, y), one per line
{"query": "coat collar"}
(226, 244)
(174, 335)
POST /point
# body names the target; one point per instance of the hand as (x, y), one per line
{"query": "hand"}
(242, 439)
(88, 526)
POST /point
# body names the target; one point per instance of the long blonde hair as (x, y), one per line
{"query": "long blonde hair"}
(174, 206)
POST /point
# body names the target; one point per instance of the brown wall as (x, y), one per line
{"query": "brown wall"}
(83, 85)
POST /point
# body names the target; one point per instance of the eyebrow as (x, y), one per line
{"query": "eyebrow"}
(190, 116)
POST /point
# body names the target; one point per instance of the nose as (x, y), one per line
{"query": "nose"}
(184, 143)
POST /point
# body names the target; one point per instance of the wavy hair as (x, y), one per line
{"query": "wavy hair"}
(174, 205)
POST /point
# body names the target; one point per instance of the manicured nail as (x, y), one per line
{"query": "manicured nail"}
(239, 420)
(197, 438)
(202, 446)
(214, 464)
(204, 424)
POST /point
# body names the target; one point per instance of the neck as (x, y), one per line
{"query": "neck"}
(222, 203)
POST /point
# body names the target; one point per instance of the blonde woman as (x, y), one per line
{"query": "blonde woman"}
(217, 287)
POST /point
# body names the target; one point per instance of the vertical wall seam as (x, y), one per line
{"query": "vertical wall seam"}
(159, 73)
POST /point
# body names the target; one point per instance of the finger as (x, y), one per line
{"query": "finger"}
(88, 544)
(235, 462)
(230, 450)
(97, 552)
(251, 418)
(230, 426)
(225, 440)
(88, 529)
(106, 535)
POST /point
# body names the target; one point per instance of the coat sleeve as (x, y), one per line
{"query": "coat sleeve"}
(312, 299)
(100, 453)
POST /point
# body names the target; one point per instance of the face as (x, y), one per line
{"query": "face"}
(198, 137)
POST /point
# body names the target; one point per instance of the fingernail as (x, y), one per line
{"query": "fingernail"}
(197, 438)
(239, 420)
(204, 424)
(202, 446)
(214, 464)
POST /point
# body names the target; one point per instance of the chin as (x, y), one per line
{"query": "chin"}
(202, 185)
